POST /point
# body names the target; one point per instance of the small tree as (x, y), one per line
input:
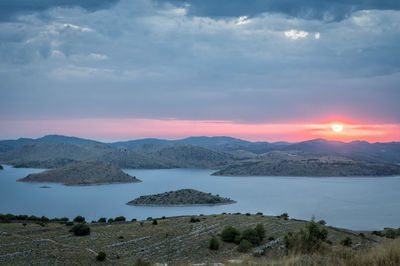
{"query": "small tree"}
(102, 220)
(308, 239)
(101, 256)
(79, 219)
(244, 246)
(81, 230)
(155, 222)
(260, 231)
(214, 243)
(347, 241)
(252, 236)
(284, 216)
(120, 219)
(229, 233)
(110, 220)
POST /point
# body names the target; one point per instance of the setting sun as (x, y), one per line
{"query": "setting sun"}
(337, 127)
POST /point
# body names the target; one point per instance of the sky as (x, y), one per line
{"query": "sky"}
(261, 70)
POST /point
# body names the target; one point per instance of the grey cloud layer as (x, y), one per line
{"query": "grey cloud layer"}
(152, 60)
(328, 10)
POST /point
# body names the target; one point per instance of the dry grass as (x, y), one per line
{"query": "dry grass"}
(385, 254)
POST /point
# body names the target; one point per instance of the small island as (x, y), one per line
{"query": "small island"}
(183, 197)
(84, 173)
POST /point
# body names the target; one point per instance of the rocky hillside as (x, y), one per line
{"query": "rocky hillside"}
(292, 164)
(37, 154)
(181, 197)
(188, 156)
(83, 173)
(124, 158)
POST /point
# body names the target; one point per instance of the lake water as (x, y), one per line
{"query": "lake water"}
(356, 203)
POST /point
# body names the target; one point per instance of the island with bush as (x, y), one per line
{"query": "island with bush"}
(182, 197)
(83, 174)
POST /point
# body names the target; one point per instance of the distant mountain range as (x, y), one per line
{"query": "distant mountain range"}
(229, 155)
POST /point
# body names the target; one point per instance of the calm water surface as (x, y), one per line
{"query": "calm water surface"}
(357, 203)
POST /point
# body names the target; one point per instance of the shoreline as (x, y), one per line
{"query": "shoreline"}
(180, 205)
(79, 185)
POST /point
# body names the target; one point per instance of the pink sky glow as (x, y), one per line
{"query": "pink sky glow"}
(125, 129)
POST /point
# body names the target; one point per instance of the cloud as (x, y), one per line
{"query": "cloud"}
(11, 8)
(242, 20)
(317, 35)
(327, 10)
(296, 34)
(143, 59)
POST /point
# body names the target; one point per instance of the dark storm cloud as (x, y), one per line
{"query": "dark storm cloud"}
(10, 8)
(329, 10)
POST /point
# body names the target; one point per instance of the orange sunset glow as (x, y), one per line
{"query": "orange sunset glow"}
(116, 129)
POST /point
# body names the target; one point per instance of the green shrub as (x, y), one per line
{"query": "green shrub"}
(69, 223)
(194, 220)
(79, 219)
(252, 236)
(244, 246)
(214, 243)
(391, 233)
(80, 229)
(307, 240)
(229, 233)
(140, 262)
(133, 220)
(102, 220)
(155, 222)
(120, 219)
(101, 256)
(321, 222)
(284, 216)
(110, 220)
(347, 241)
(260, 231)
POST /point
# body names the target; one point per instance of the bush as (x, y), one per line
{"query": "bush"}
(260, 231)
(81, 230)
(347, 241)
(194, 220)
(110, 220)
(229, 233)
(133, 220)
(155, 222)
(120, 219)
(391, 233)
(284, 216)
(102, 220)
(101, 256)
(321, 222)
(307, 240)
(244, 246)
(140, 262)
(69, 223)
(214, 243)
(79, 219)
(251, 235)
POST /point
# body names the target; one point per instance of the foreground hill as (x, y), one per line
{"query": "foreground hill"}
(183, 197)
(175, 241)
(83, 173)
(292, 164)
